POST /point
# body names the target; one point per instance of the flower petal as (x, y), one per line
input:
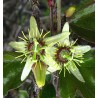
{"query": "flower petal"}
(50, 51)
(27, 68)
(53, 66)
(75, 71)
(65, 42)
(34, 32)
(80, 49)
(65, 27)
(54, 39)
(51, 70)
(20, 46)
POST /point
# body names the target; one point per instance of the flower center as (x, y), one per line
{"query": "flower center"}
(41, 44)
(30, 46)
(62, 54)
(39, 47)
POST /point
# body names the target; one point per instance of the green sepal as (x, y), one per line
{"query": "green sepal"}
(34, 32)
(75, 71)
(39, 70)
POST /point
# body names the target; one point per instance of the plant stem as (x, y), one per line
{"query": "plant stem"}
(51, 20)
(56, 82)
(58, 15)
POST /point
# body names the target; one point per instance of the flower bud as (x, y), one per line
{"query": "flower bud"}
(70, 11)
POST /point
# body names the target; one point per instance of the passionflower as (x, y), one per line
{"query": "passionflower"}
(66, 55)
(33, 49)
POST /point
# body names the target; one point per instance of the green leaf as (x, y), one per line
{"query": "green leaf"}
(84, 3)
(48, 78)
(12, 69)
(48, 91)
(83, 22)
(23, 94)
(69, 84)
(88, 72)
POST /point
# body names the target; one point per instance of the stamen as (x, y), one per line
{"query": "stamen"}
(74, 42)
(60, 71)
(28, 52)
(51, 44)
(77, 63)
(64, 71)
(19, 56)
(59, 44)
(68, 69)
(77, 60)
(23, 54)
(65, 64)
(72, 56)
(41, 33)
(23, 59)
(22, 38)
(79, 56)
(24, 35)
(44, 47)
(19, 51)
(46, 34)
(29, 32)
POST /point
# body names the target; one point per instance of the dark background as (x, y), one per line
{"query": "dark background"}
(16, 14)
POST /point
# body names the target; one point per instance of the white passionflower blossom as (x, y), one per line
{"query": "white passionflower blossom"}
(66, 56)
(33, 48)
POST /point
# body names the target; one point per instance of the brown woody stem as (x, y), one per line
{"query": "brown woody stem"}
(58, 15)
